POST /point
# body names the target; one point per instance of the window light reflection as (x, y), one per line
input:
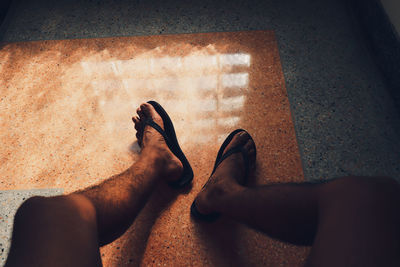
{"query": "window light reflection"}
(191, 87)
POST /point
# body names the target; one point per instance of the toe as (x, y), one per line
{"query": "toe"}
(146, 109)
(138, 125)
(250, 146)
(242, 138)
(239, 139)
(251, 150)
(136, 121)
(141, 111)
(149, 111)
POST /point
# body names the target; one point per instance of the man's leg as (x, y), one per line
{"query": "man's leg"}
(67, 230)
(350, 221)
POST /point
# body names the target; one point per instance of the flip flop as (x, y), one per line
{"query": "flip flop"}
(172, 142)
(221, 157)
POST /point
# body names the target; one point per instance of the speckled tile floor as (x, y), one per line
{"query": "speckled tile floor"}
(70, 102)
(344, 119)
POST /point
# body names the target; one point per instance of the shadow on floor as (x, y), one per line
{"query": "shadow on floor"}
(138, 234)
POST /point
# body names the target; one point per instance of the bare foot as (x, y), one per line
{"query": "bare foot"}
(228, 176)
(153, 144)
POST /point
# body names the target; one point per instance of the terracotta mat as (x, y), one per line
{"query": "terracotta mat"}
(66, 110)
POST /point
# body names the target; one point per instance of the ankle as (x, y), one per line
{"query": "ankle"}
(160, 162)
(218, 196)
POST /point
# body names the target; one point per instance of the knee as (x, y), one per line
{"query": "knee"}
(367, 189)
(365, 180)
(369, 184)
(71, 206)
(30, 207)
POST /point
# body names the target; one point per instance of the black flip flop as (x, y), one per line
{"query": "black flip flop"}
(170, 138)
(221, 157)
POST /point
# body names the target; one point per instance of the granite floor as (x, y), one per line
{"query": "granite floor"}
(344, 119)
(70, 102)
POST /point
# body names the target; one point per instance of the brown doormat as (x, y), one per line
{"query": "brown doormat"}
(66, 122)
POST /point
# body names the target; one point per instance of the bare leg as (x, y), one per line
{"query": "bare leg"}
(67, 230)
(351, 221)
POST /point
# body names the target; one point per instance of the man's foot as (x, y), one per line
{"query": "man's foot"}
(153, 145)
(228, 176)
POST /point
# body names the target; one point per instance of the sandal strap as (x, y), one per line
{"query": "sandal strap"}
(153, 124)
